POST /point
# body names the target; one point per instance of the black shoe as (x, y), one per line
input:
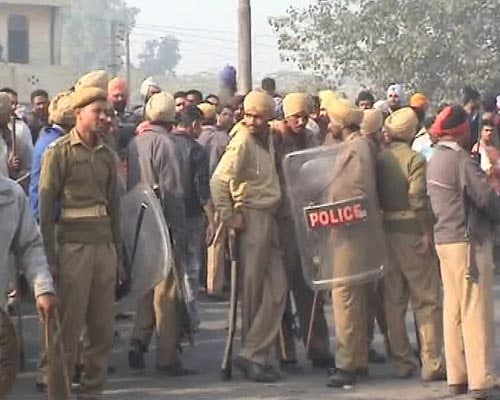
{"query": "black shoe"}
(136, 355)
(77, 376)
(362, 373)
(40, 386)
(457, 390)
(256, 372)
(341, 378)
(291, 367)
(375, 357)
(176, 370)
(324, 362)
(487, 394)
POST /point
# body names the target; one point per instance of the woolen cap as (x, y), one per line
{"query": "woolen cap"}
(160, 108)
(209, 111)
(402, 124)
(296, 103)
(61, 109)
(260, 103)
(373, 121)
(344, 112)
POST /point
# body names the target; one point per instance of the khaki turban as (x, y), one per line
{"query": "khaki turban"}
(61, 110)
(373, 121)
(98, 79)
(344, 112)
(326, 96)
(87, 95)
(5, 106)
(160, 108)
(402, 124)
(208, 110)
(296, 103)
(260, 103)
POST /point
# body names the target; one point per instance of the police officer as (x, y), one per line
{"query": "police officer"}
(412, 272)
(79, 175)
(292, 135)
(246, 191)
(349, 300)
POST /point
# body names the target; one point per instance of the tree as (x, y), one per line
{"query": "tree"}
(160, 56)
(436, 46)
(87, 41)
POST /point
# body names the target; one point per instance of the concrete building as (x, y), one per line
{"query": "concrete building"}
(30, 46)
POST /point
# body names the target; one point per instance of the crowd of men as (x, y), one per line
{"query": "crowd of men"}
(215, 163)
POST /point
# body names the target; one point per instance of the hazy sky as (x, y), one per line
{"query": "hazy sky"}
(207, 30)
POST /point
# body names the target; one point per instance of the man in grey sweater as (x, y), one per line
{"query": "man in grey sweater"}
(465, 207)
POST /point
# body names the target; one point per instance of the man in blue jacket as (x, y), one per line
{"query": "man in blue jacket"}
(62, 120)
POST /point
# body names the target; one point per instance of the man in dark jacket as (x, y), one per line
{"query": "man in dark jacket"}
(195, 180)
(153, 159)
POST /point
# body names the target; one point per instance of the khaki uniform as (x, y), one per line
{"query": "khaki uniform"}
(350, 301)
(246, 181)
(469, 315)
(302, 293)
(156, 311)
(409, 276)
(82, 181)
(216, 262)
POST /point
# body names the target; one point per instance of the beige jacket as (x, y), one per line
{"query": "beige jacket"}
(246, 175)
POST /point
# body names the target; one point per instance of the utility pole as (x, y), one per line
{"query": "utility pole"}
(127, 55)
(244, 46)
(114, 46)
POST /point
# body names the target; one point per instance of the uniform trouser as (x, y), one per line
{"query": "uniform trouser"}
(86, 290)
(193, 259)
(158, 310)
(468, 315)
(304, 299)
(413, 277)
(349, 313)
(216, 263)
(263, 284)
(375, 312)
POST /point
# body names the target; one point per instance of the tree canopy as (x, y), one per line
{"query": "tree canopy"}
(87, 41)
(160, 56)
(435, 46)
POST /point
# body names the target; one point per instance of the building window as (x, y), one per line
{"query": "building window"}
(18, 39)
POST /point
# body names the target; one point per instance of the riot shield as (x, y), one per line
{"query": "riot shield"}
(9, 354)
(146, 244)
(338, 224)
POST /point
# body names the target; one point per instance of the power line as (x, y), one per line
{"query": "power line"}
(201, 37)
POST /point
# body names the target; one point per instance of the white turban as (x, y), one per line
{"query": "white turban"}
(144, 90)
(398, 89)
